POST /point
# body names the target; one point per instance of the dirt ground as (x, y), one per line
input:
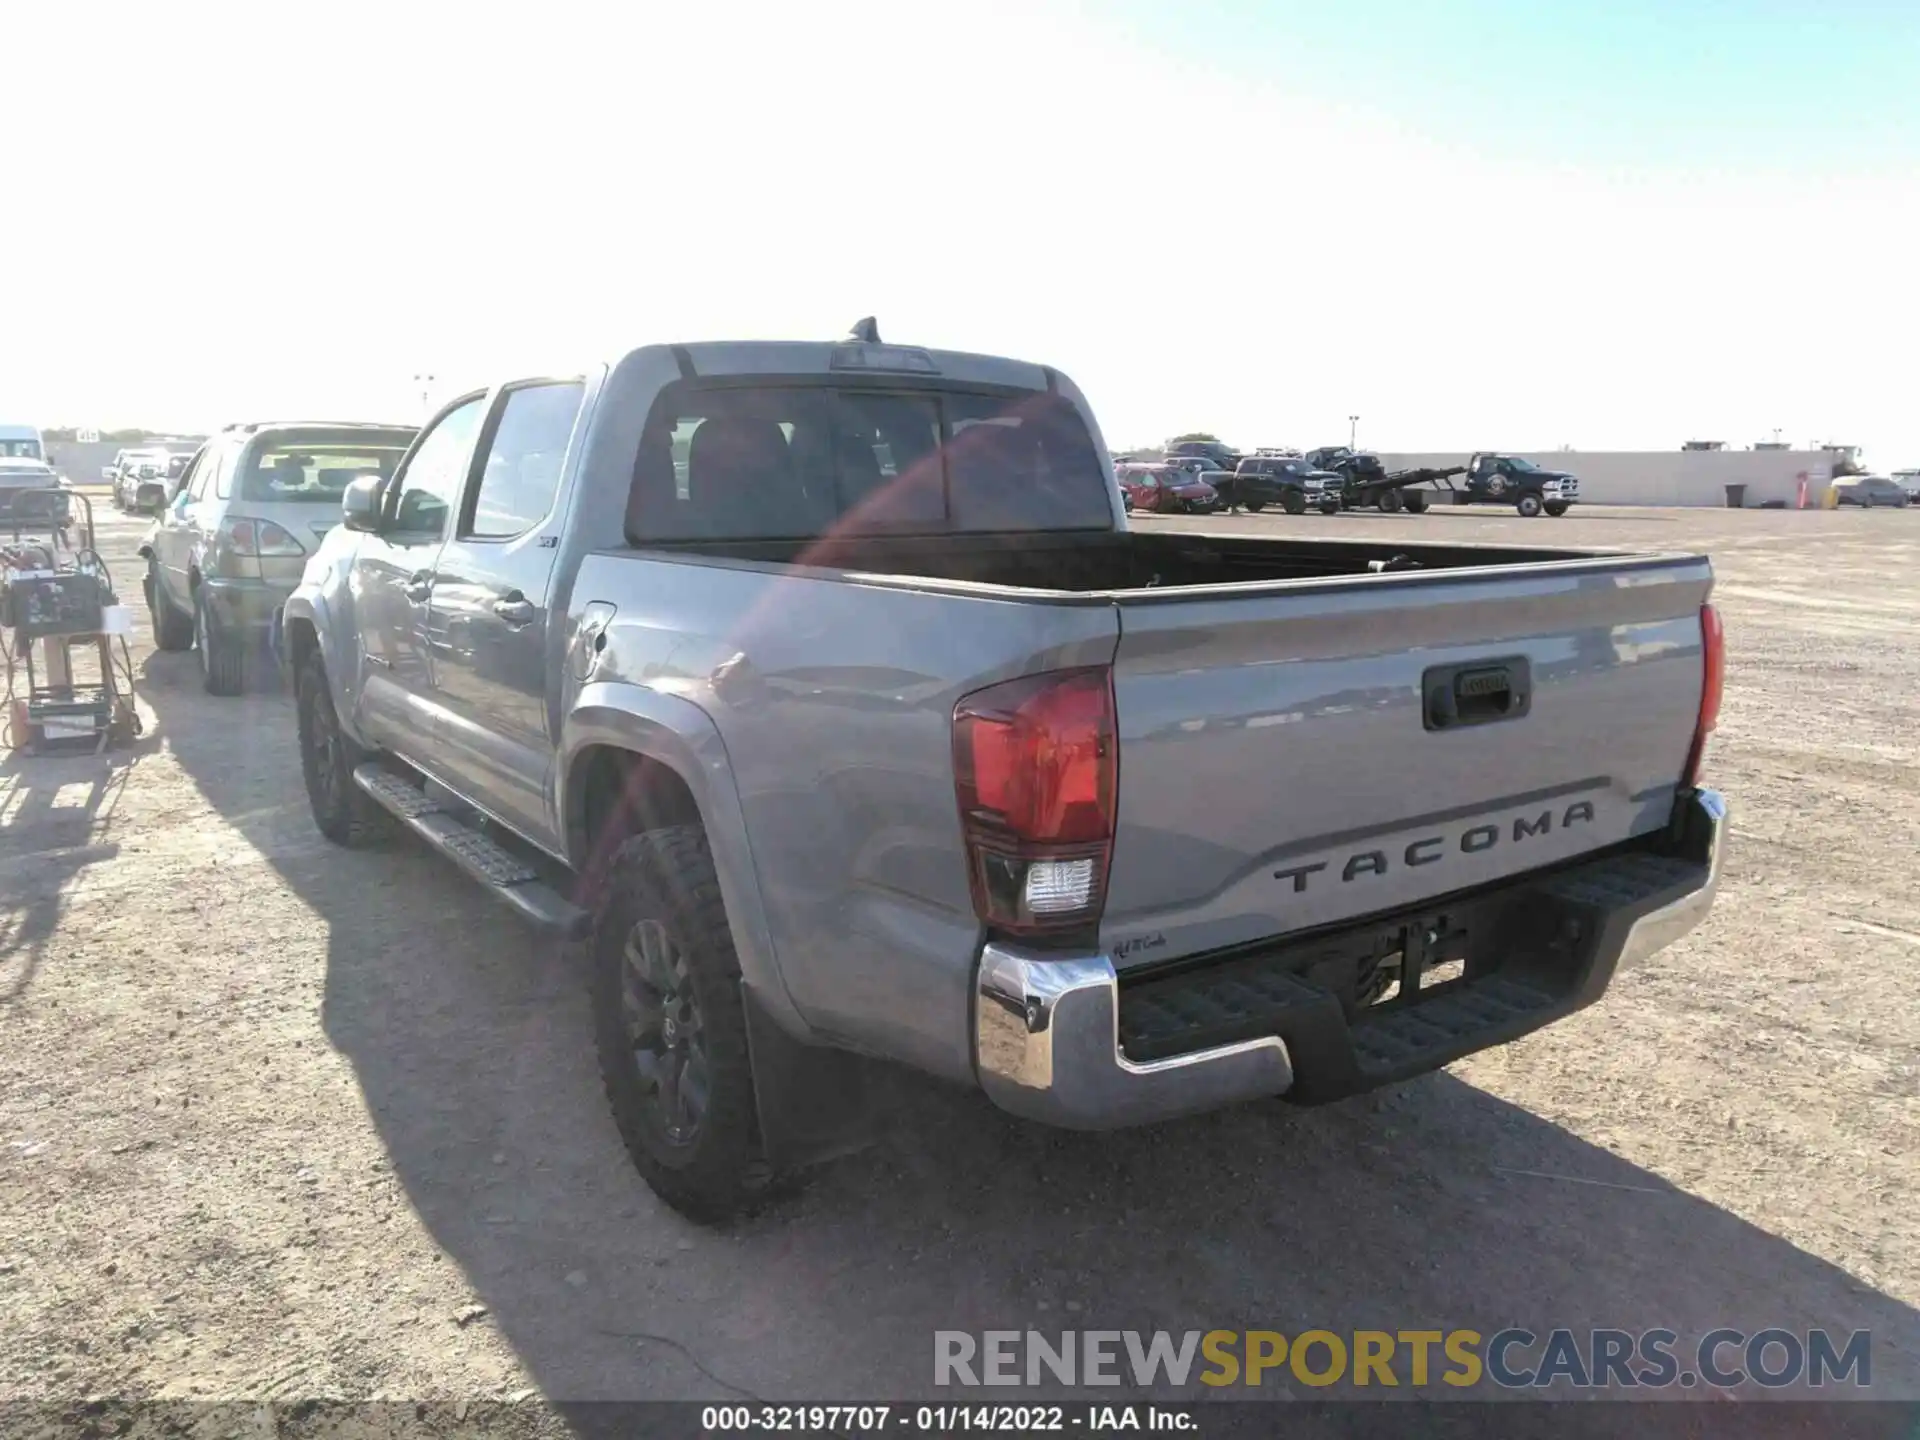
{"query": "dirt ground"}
(281, 1122)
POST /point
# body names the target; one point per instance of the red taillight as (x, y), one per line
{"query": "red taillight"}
(261, 537)
(1713, 649)
(1036, 771)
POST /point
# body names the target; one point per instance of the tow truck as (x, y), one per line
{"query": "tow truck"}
(1363, 482)
(1494, 479)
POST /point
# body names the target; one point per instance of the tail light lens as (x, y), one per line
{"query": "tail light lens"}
(261, 537)
(1036, 772)
(244, 543)
(1713, 683)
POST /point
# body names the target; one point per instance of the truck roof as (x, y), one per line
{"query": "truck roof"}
(249, 427)
(820, 357)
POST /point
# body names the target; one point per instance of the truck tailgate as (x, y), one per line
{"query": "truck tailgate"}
(1278, 770)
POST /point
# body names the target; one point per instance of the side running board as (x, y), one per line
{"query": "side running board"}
(501, 872)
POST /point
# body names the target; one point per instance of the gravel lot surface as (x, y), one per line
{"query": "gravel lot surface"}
(279, 1121)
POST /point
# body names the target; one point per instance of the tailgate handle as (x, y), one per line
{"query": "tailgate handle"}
(1477, 693)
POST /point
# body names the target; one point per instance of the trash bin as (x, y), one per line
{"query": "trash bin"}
(1736, 497)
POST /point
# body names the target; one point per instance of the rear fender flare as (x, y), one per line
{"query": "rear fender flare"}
(680, 735)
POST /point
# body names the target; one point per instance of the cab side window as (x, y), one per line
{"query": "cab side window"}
(432, 477)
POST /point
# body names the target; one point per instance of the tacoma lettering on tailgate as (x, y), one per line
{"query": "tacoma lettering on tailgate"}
(1435, 849)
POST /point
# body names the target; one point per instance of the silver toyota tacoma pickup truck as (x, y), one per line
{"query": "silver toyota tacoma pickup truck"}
(824, 690)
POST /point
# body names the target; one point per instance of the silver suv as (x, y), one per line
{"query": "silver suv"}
(234, 537)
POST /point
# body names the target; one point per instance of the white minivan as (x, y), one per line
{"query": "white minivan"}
(21, 442)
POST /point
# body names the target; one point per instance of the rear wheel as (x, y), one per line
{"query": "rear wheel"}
(171, 630)
(1254, 507)
(1556, 508)
(1294, 502)
(670, 1027)
(1416, 502)
(222, 661)
(1330, 505)
(344, 813)
(1391, 501)
(1528, 505)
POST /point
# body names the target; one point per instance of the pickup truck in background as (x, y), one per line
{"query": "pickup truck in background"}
(823, 689)
(1514, 480)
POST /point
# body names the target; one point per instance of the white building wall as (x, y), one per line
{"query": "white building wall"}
(1669, 477)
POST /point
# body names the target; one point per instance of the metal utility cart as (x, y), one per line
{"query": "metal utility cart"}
(64, 630)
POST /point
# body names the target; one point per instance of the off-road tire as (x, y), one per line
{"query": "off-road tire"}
(1392, 501)
(1416, 502)
(1556, 508)
(172, 631)
(1294, 502)
(344, 813)
(667, 875)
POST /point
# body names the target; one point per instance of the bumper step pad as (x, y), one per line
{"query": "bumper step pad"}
(510, 879)
(1554, 942)
(1390, 1039)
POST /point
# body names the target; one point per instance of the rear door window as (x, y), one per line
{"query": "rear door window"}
(521, 473)
(799, 461)
(211, 474)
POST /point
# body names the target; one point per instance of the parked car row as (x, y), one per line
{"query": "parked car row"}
(1337, 477)
(236, 527)
(141, 478)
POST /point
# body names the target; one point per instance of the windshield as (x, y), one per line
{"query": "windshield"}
(803, 461)
(1514, 462)
(20, 450)
(315, 468)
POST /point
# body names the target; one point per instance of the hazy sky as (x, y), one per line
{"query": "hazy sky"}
(1474, 224)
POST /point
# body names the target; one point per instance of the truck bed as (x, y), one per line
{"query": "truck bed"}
(1105, 562)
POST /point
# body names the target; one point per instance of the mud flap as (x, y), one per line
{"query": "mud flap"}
(815, 1103)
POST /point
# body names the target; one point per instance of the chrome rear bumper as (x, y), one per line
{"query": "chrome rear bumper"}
(1703, 839)
(1047, 1042)
(1047, 1027)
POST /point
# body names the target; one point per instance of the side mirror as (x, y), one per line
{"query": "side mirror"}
(360, 505)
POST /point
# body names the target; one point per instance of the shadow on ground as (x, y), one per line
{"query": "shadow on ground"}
(1433, 1206)
(55, 815)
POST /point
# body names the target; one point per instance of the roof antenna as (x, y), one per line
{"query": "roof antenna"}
(865, 331)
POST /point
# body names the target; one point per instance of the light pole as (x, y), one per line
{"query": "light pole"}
(425, 382)
(1353, 430)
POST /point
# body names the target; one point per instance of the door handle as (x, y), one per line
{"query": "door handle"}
(420, 587)
(1480, 692)
(515, 610)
